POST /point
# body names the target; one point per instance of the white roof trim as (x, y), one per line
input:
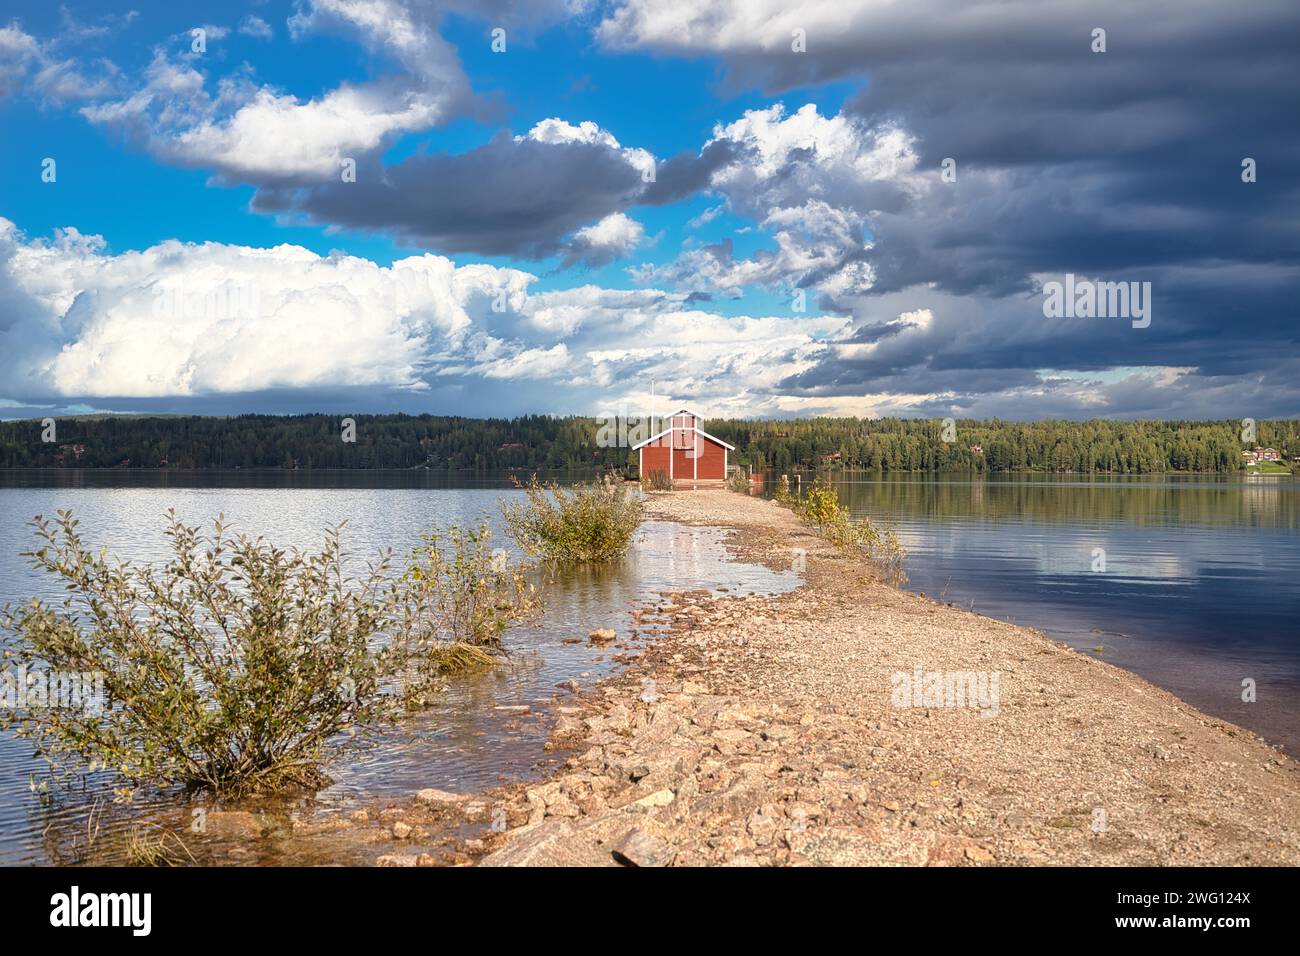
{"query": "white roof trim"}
(651, 438)
(715, 438)
(697, 429)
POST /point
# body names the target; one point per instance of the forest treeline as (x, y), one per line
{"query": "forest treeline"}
(545, 442)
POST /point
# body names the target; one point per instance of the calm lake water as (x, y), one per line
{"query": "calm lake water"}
(1199, 589)
(461, 743)
(1192, 582)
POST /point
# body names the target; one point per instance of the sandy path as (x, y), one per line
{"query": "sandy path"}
(772, 737)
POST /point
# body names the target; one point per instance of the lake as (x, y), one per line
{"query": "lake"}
(1192, 582)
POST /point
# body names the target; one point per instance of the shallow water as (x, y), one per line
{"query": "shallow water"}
(461, 743)
(1192, 582)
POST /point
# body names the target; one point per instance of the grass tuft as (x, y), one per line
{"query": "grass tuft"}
(460, 658)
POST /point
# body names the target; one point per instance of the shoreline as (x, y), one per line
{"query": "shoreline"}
(762, 731)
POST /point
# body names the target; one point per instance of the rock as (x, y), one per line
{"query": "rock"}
(780, 733)
(401, 830)
(440, 798)
(536, 807)
(562, 807)
(397, 859)
(602, 634)
(733, 740)
(618, 719)
(303, 828)
(513, 708)
(232, 825)
(843, 846)
(360, 816)
(552, 843)
(660, 798)
(979, 854)
(568, 727)
(743, 795)
(639, 848)
(762, 828)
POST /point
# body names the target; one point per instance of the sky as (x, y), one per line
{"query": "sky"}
(748, 207)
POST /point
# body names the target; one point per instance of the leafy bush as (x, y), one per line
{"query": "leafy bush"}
(585, 523)
(821, 507)
(231, 667)
(238, 666)
(460, 596)
(738, 481)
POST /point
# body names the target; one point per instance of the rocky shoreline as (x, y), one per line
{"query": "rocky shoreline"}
(768, 731)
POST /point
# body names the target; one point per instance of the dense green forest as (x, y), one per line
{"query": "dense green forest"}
(545, 442)
(892, 444)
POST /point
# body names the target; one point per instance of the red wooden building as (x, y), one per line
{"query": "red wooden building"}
(684, 451)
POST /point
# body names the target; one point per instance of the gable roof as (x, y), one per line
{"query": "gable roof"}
(697, 429)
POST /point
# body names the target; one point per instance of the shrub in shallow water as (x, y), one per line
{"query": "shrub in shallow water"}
(859, 537)
(459, 595)
(592, 522)
(738, 481)
(231, 666)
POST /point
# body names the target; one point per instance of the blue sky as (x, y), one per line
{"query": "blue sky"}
(741, 203)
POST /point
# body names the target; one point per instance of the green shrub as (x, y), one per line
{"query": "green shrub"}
(821, 507)
(231, 667)
(238, 666)
(459, 596)
(585, 523)
(738, 481)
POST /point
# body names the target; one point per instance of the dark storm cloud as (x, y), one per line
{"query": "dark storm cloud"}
(688, 173)
(515, 196)
(508, 197)
(1122, 165)
(1066, 158)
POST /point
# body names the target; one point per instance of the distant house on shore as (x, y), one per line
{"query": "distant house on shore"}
(684, 451)
(1261, 454)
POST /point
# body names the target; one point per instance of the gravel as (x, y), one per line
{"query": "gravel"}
(774, 737)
